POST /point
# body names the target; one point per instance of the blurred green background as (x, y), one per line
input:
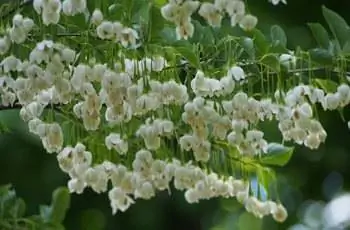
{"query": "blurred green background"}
(311, 175)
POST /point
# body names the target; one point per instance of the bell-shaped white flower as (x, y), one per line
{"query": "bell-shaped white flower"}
(96, 17)
(248, 22)
(115, 141)
(237, 73)
(210, 13)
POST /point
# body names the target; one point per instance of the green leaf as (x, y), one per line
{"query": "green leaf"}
(278, 35)
(45, 213)
(160, 3)
(92, 219)
(18, 209)
(60, 204)
(320, 34)
(340, 29)
(266, 177)
(185, 49)
(322, 56)
(327, 85)
(346, 48)
(260, 41)
(7, 201)
(4, 189)
(271, 61)
(277, 154)
(142, 16)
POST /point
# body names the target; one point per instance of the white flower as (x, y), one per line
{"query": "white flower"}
(275, 2)
(236, 10)
(97, 17)
(312, 141)
(236, 73)
(106, 30)
(279, 213)
(28, 24)
(38, 5)
(248, 22)
(76, 185)
(119, 200)
(5, 44)
(288, 60)
(53, 140)
(129, 37)
(202, 151)
(114, 141)
(185, 30)
(65, 159)
(191, 196)
(331, 101)
(211, 14)
(73, 7)
(68, 55)
(17, 35)
(145, 191)
(51, 12)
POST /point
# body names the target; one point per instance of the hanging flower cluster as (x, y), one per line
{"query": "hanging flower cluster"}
(152, 127)
(180, 12)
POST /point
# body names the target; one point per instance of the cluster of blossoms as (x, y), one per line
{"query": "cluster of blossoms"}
(149, 175)
(51, 9)
(17, 34)
(207, 109)
(114, 31)
(180, 12)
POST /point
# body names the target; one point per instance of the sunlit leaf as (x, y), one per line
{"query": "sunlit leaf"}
(327, 85)
(277, 154)
(266, 177)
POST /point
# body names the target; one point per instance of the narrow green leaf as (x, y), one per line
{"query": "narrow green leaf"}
(260, 41)
(340, 29)
(320, 34)
(278, 35)
(45, 213)
(322, 56)
(346, 48)
(327, 85)
(185, 49)
(271, 61)
(277, 154)
(60, 204)
(266, 177)
(18, 208)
